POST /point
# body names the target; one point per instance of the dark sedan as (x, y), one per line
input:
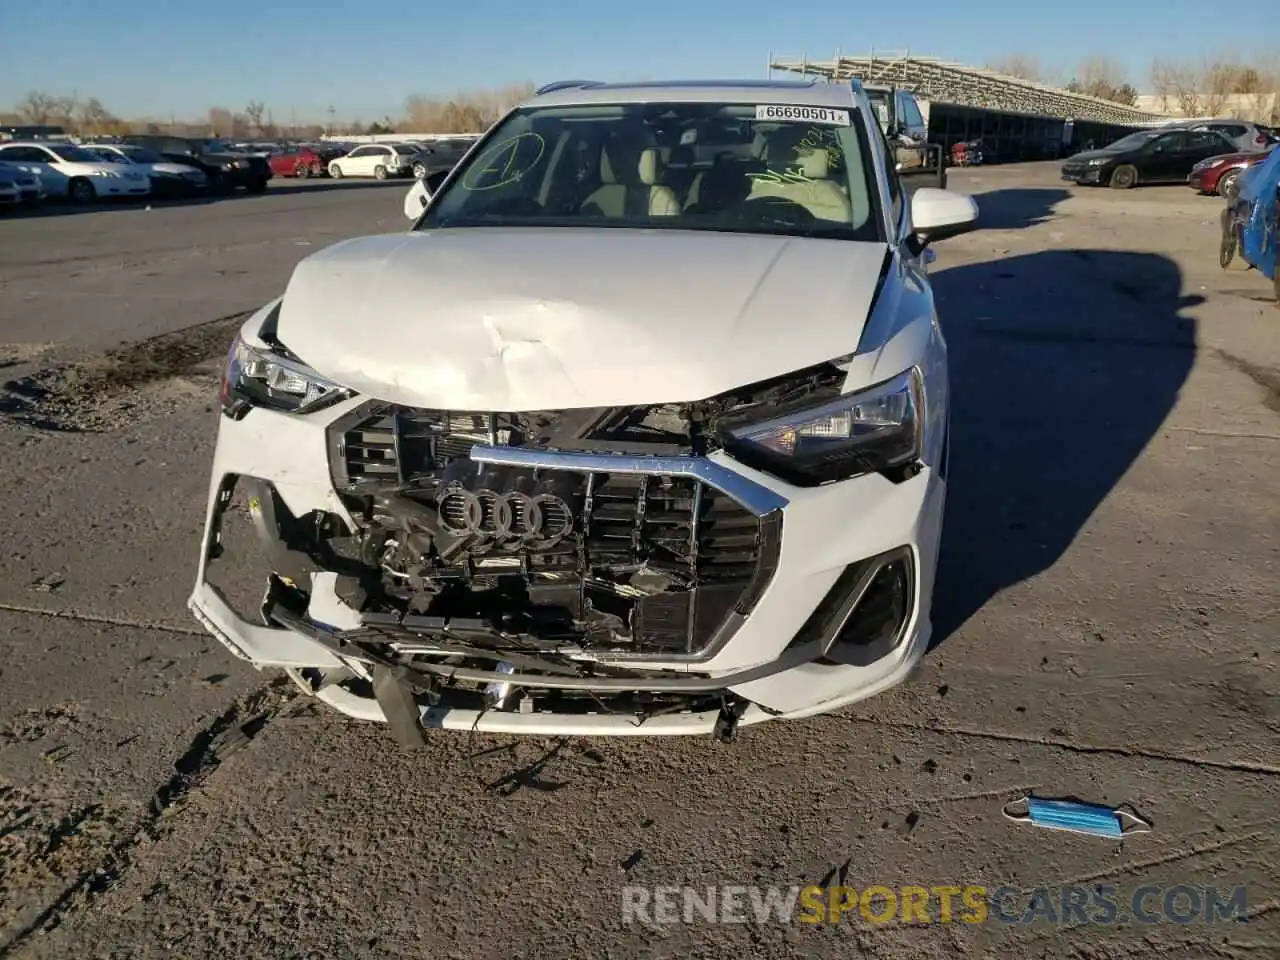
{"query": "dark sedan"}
(1148, 156)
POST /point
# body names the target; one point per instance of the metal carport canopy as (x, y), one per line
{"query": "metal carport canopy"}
(946, 82)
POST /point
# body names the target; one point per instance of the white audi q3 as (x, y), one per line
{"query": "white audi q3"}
(642, 428)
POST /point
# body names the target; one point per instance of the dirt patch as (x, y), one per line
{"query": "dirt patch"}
(103, 392)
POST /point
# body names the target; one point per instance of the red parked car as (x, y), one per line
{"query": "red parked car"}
(1221, 174)
(298, 162)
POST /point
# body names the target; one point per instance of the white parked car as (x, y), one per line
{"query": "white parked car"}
(66, 170)
(602, 446)
(166, 176)
(381, 160)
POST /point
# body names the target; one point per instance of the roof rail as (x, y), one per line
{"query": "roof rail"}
(564, 85)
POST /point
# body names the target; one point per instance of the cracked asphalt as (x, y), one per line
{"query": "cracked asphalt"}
(1107, 607)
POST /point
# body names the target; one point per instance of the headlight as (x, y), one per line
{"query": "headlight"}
(258, 377)
(1099, 161)
(874, 430)
(1206, 164)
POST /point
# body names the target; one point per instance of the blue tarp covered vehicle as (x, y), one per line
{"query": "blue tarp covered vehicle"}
(1251, 224)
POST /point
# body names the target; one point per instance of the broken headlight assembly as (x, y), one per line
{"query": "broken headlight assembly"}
(875, 430)
(258, 376)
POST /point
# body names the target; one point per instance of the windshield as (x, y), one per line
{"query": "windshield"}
(1134, 140)
(743, 168)
(74, 154)
(216, 146)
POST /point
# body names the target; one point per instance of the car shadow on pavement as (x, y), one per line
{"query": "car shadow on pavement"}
(1017, 209)
(1064, 364)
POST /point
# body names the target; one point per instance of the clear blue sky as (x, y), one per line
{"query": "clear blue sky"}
(182, 57)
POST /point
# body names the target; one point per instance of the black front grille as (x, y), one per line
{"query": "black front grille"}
(671, 557)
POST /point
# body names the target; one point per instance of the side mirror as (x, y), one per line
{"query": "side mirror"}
(939, 214)
(416, 200)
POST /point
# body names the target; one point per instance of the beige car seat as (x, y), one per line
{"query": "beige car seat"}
(636, 190)
(804, 173)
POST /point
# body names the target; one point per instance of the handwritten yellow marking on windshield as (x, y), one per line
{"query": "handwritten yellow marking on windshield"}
(820, 139)
(779, 176)
(509, 170)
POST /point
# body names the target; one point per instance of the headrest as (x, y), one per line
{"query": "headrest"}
(650, 166)
(815, 165)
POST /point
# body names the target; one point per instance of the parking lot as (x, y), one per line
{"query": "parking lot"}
(1106, 614)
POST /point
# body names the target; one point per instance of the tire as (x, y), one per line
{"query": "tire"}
(1229, 184)
(335, 171)
(942, 178)
(380, 172)
(81, 191)
(256, 186)
(316, 169)
(302, 171)
(1124, 177)
(420, 171)
(1227, 249)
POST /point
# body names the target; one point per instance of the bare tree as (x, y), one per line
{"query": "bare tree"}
(1103, 78)
(91, 117)
(40, 108)
(254, 112)
(472, 112)
(220, 122)
(1162, 82)
(1024, 66)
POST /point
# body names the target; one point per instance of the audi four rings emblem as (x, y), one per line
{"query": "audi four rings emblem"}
(538, 521)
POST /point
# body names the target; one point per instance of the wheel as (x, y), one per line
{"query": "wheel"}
(255, 186)
(81, 191)
(302, 171)
(217, 182)
(1227, 249)
(1124, 176)
(1229, 184)
(420, 170)
(1227, 245)
(335, 171)
(1275, 285)
(316, 169)
(380, 172)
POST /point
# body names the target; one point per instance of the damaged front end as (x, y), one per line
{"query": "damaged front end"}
(579, 562)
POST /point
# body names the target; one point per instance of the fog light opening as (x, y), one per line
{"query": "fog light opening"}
(878, 621)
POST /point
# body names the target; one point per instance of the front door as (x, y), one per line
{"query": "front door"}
(1163, 157)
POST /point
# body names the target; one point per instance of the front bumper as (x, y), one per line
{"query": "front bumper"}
(787, 658)
(1083, 175)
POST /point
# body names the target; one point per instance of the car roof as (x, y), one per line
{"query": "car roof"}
(814, 92)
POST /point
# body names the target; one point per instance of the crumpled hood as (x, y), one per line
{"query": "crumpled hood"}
(529, 318)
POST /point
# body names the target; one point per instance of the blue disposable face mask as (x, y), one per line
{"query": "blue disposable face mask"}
(1071, 815)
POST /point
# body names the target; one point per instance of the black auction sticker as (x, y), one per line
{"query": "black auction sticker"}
(801, 114)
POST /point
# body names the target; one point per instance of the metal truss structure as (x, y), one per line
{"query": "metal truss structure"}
(946, 82)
